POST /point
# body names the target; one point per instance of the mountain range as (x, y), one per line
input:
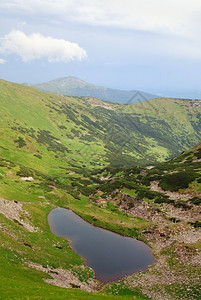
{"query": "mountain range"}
(73, 86)
(85, 131)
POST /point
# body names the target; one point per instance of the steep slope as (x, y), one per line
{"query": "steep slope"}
(169, 198)
(75, 133)
(33, 260)
(46, 163)
(177, 181)
(73, 86)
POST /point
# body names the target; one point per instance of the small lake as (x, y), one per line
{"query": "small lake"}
(110, 255)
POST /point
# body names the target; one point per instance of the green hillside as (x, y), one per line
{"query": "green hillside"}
(38, 128)
(73, 152)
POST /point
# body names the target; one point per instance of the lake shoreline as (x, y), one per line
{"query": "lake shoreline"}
(115, 277)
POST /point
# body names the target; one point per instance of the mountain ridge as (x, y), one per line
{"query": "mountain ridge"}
(140, 133)
(73, 86)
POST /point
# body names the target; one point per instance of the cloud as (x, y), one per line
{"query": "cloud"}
(168, 16)
(172, 27)
(36, 46)
(2, 61)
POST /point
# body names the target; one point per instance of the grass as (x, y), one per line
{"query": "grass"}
(181, 291)
(48, 137)
(17, 244)
(121, 290)
(16, 282)
(126, 135)
(109, 218)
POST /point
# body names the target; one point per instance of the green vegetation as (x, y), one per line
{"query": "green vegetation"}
(88, 133)
(17, 282)
(176, 181)
(121, 290)
(82, 154)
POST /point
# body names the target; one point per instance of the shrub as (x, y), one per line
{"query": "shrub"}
(183, 205)
(145, 193)
(21, 142)
(176, 181)
(163, 200)
(24, 172)
(38, 156)
(197, 224)
(198, 153)
(195, 201)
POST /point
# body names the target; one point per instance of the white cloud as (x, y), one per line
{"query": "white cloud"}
(36, 46)
(180, 17)
(2, 61)
(174, 26)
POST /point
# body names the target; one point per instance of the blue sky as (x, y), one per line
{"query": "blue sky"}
(152, 45)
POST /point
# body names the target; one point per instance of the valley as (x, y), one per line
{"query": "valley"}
(87, 133)
(117, 166)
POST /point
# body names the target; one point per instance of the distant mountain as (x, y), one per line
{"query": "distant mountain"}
(73, 86)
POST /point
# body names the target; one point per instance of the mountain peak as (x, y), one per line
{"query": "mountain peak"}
(74, 86)
(69, 81)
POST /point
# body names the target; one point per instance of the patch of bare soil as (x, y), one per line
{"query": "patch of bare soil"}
(143, 210)
(160, 275)
(187, 215)
(97, 102)
(177, 245)
(189, 237)
(65, 278)
(172, 240)
(154, 186)
(14, 211)
(27, 178)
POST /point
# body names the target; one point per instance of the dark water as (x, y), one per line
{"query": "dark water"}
(110, 255)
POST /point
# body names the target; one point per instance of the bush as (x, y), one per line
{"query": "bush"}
(195, 201)
(21, 142)
(176, 181)
(183, 205)
(197, 224)
(24, 172)
(145, 193)
(163, 200)
(198, 153)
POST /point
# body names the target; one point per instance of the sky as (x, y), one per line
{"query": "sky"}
(150, 45)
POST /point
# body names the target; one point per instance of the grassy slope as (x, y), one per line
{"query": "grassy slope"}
(77, 132)
(183, 172)
(32, 123)
(17, 245)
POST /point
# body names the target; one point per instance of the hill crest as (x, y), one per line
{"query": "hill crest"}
(73, 86)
